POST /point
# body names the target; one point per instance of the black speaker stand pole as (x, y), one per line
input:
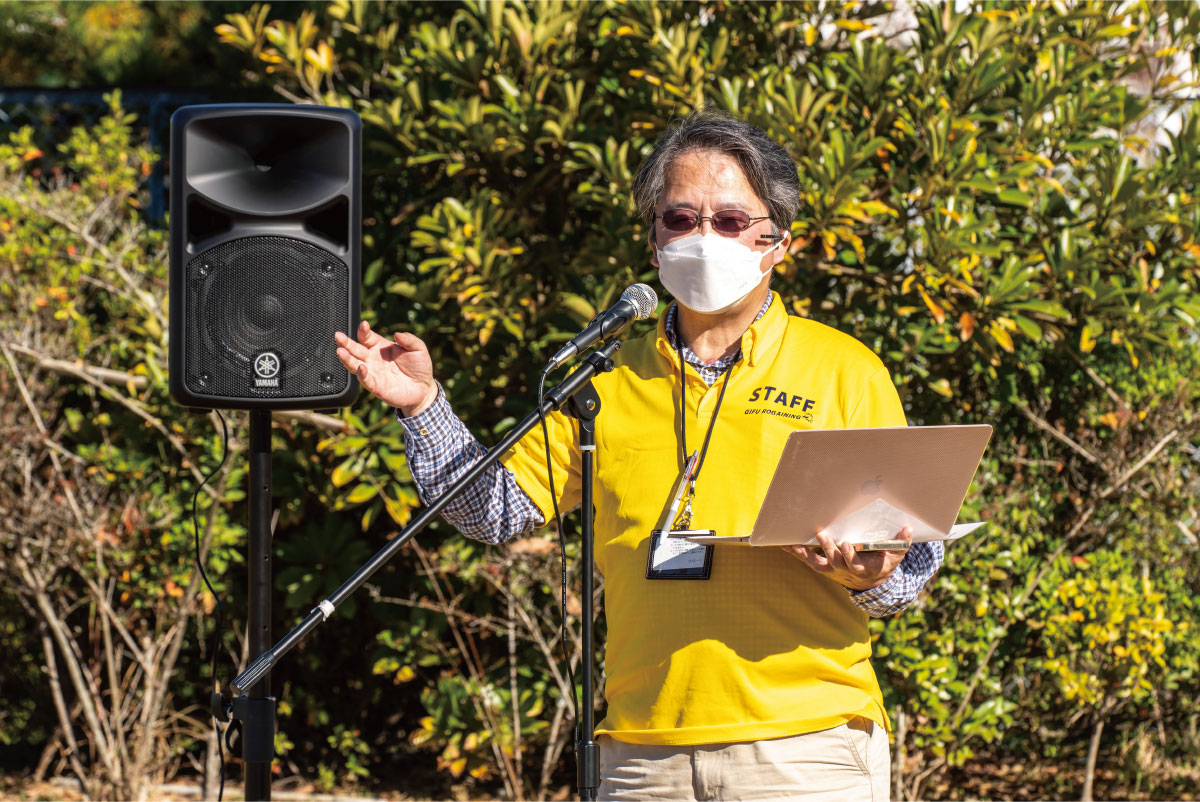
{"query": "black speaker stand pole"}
(585, 406)
(256, 710)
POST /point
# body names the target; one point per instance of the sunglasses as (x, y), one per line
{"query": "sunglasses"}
(729, 221)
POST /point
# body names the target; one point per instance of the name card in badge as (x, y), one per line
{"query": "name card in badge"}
(676, 558)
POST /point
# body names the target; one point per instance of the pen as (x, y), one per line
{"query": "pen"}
(688, 471)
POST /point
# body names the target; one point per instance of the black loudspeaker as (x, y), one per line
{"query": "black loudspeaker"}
(266, 242)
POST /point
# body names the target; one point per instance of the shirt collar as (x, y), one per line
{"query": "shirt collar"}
(765, 329)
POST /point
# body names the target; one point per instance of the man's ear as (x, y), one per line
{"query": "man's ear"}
(776, 256)
(782, 251)
(653, 247)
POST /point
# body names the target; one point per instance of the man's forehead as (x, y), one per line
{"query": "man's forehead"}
(716, 167)
(715, 175)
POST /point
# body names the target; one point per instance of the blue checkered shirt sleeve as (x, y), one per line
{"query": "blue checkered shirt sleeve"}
(440, 449)
(905, 583)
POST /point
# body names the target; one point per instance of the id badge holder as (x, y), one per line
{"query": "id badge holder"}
(676, 558)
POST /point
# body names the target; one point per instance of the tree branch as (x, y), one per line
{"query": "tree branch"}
(113, 379)
(1095, 377)
(83, 689)
(512, 780)
(148, 301)
(1056, 434)
(41, 427)
(1141, 463)
(67, 730)
(62, 366)
(327, 422)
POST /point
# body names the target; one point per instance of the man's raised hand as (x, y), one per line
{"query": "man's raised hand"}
(398, 371)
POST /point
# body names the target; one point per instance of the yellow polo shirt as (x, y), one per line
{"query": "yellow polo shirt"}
(766, 647)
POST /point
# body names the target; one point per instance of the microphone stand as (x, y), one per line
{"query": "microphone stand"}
(257, 710)
(584, 407)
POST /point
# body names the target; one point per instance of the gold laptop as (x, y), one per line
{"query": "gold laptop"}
(864, 485)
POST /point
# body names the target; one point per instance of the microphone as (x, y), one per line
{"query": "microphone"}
(636, 303)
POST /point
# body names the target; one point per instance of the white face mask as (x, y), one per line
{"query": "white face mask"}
(709, 272)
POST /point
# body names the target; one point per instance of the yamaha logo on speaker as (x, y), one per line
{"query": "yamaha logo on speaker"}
(266, 369)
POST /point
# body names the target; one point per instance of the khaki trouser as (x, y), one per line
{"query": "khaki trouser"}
(845, 764)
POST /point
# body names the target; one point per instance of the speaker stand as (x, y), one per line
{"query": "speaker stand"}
(257, 709)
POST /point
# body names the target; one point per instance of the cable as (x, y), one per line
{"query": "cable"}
(216, 598)
(562, 547)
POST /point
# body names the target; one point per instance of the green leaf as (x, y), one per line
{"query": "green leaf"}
(1015, 197)
(345, 472)
(361, 493)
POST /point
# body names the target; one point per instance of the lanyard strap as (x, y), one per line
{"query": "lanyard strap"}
(683, 414)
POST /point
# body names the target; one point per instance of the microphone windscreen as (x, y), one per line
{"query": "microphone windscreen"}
(643, 298)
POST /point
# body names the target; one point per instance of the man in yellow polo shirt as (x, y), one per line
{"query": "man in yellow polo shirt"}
(745, 675)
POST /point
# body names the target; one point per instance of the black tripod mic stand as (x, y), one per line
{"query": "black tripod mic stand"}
(256, 710)
(585, 406)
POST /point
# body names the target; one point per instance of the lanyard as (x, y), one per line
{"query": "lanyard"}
(685, 518)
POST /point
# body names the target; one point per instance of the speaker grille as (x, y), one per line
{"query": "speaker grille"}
(260, 318)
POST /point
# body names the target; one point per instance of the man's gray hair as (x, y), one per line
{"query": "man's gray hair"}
(769, 168)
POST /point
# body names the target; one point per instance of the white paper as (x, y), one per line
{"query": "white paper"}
(881, 521)
(676, 554)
